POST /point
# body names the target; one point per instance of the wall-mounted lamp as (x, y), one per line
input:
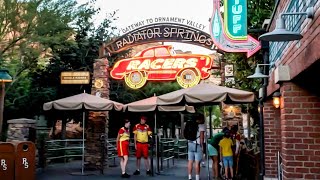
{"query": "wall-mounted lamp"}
(276, 99)
(257, 72)
(280, 33)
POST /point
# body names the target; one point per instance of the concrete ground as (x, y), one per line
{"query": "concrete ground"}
(64, 172)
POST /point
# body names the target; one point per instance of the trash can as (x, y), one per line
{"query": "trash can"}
(7, 158)
(25, 162)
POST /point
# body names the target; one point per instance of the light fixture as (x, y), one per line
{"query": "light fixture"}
(257, 72)
(280, 33)
(276, 99)
(4, 77)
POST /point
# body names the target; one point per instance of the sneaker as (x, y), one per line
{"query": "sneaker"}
(148, 172)
(125, 175)
(136, 172)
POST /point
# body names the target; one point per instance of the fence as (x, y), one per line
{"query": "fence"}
(181, 148)
(63, 149)
(166, 152)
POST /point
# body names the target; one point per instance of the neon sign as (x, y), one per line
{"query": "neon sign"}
(235, 18)
(227, 37)
(160, 63)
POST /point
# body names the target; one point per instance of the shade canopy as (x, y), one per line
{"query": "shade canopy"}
(83, 101)
(206, 93)
(150, 104)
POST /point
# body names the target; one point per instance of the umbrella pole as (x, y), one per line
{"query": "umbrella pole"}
(206, 140)
(82, 163)
(156, 140)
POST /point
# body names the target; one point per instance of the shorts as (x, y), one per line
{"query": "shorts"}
(142, 150)
(228, 161)
(212, 151)
(194, 155)
(123, 148)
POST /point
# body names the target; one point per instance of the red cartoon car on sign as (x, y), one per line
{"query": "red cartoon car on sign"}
(162, 63)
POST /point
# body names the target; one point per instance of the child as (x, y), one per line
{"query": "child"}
(227, 154)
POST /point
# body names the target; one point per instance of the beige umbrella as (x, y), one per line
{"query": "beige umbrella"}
(206, 93)
(150, 104)
(83, 101)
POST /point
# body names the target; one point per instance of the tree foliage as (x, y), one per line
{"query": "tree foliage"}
(258, 11)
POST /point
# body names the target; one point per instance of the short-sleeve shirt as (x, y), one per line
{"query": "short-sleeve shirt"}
(226, 144)
(142, 131)
(124, 134)
(216, 138)
(201, 128)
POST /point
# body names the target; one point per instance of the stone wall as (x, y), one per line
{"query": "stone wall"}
(21, 130)
(97, 124)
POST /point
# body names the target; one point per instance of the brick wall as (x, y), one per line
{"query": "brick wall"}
(300, 131)
(272, 137)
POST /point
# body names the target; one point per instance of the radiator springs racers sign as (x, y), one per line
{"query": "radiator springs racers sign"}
(160, 63)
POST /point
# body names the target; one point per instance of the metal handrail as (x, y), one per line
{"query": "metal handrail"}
(169, 152)
(62, 144)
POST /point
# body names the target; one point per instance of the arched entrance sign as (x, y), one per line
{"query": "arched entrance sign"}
(161, 32)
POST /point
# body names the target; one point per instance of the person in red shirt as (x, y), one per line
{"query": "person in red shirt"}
(123, 147)
(141, 135)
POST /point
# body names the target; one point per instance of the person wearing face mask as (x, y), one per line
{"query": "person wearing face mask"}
(123, 147)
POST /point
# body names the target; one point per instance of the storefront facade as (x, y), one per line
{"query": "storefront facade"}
(293, 129)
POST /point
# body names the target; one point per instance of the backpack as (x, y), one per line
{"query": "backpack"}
(190, 130)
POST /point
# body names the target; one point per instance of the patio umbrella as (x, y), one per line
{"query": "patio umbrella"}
(83, 101)
(206, 93)
(150, 104)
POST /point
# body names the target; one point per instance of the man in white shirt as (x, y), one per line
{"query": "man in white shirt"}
(195, 149)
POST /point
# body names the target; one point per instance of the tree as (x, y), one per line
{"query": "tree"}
(258, 11)
(39, 39)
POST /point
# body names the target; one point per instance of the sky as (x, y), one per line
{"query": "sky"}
(132, 11)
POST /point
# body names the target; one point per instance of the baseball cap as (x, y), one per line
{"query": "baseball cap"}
(126, 121)
(144, 118)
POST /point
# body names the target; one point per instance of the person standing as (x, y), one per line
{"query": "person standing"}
(194, 133)
(123, 147)
(227, 154)
(141, 135)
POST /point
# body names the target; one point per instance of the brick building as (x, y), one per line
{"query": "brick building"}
(294, 128)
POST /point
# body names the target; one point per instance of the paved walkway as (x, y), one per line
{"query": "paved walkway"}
(63, 172)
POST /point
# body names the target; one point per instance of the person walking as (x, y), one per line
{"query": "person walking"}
(123, 147)
(141, 136)
(194, 133)
(227, 154)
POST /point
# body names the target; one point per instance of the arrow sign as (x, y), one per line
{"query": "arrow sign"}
(221, 39)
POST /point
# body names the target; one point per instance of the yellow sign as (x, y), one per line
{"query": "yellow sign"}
(98, 83)
(75, 77)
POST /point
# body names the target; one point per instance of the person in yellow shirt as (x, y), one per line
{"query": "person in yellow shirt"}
(141, 136)
(226, 154)
(123, 147)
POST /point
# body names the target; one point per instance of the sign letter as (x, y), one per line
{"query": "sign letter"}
(4, 165)
(25, 163)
